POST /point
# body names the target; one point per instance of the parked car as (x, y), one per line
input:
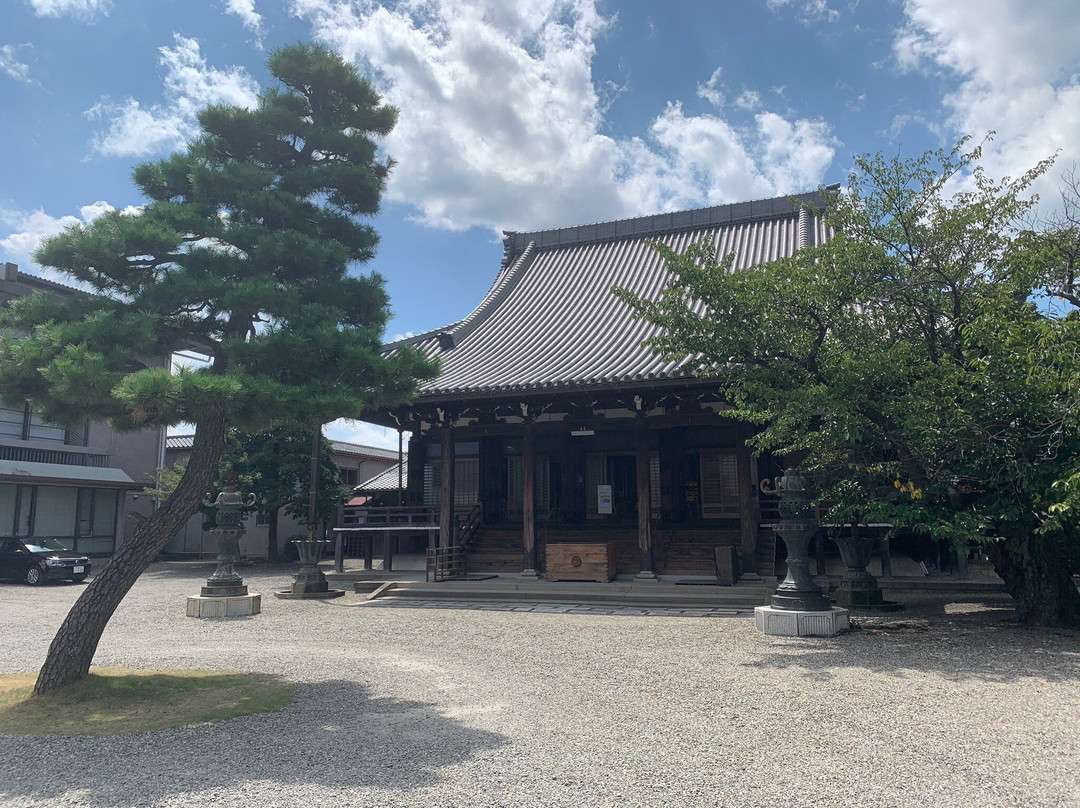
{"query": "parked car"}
(38, 560)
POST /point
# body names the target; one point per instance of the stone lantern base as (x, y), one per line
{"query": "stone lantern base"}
(790, 623)
(302, 593)
(310, 582)
(224, 606)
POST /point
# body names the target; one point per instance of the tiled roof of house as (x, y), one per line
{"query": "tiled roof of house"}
(550, 321)
(385, 480)
(12, 274)
(179, 441)
(359, 450)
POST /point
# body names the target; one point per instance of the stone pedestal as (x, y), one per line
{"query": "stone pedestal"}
(224, 606)
(225, 594)
(776, 622)
(224, 589)
(324, 594)
(858, 587)
(847, 595)
(309, 583)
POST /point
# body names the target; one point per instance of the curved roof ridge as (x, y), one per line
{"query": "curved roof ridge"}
(660, 223)
(450, 335)
(416, 338)
(504, 282)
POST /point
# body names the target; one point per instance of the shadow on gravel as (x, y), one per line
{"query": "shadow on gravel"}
(334, 736)
(957, 639)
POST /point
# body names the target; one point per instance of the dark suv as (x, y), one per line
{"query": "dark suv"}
(37, 560)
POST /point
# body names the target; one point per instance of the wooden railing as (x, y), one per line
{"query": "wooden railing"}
(448, 563)
(391, 516)
(445, 563)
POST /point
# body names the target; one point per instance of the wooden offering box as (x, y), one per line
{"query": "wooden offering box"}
(581, 562)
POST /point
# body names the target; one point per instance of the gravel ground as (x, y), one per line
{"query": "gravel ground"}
(454, 707)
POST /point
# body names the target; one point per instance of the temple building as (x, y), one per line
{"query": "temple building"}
(551, 424)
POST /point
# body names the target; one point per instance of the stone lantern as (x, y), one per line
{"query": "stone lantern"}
(225, 594)
(798, 608)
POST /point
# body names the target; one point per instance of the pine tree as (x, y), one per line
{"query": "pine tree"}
(241, 252)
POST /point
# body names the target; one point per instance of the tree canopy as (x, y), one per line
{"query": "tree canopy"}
(242, 252)
(910, 362)
(274, 465)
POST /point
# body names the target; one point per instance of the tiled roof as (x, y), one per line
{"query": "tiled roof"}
(550, 321)
(342, 447)
(386, 480)
(179, 441)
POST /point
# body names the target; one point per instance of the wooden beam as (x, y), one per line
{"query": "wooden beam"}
(446, 499)
(528, 500)
(644, 516)
(748, 517)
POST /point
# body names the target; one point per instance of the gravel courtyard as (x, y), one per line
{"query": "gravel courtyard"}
(453, 707)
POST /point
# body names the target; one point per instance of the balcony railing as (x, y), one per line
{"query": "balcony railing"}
(27, 454)
(389, 517)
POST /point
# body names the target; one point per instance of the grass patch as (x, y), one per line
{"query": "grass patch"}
(120, 701)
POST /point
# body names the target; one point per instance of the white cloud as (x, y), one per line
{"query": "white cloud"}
(12, 66)
(795, 155)
(190, 85)
(245, 10)
(502, 125)
(364, 434)
(1016, 65)
(80, 9)
(809, 11)
(749, 100)
(713, 90)
(28, 229)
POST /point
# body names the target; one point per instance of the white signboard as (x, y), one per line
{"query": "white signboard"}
(603, 499)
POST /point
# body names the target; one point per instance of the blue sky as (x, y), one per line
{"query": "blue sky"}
(526, 114)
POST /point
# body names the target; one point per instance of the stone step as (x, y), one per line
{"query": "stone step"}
(637, 593)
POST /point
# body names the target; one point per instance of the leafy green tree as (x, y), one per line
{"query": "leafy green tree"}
(908, 362)
(275, 465)
(240, 252)
(276, 462)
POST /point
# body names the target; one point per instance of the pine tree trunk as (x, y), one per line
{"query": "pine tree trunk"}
(1036, 571)
(75, 644)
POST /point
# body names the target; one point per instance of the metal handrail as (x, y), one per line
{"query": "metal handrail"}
(467, 529)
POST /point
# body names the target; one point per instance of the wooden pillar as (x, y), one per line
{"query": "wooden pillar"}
(528, 500)
(748, 517)
(644, 500)
(673, 458)
(414, 482)
(400, 464)
(368, 542)
(886, 558)
(819, 552)
(446, 498)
